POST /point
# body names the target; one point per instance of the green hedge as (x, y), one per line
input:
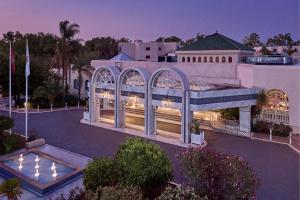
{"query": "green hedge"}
(281, 130)
(6, 123)
(143, 164)
(100, 172)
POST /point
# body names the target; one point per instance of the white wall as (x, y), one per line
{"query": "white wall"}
(281, 77)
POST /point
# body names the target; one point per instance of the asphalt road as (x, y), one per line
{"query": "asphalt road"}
(276, 165)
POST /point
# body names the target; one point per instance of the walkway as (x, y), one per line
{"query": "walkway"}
(276, 165)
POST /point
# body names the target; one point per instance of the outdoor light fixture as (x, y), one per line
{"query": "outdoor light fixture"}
(166, 102)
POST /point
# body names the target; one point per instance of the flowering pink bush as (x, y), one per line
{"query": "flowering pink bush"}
(218, 176)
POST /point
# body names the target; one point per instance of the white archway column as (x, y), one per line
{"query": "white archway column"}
(92, 103)
(188, 117)
(151, 122)
(121, 114)
(245, 119)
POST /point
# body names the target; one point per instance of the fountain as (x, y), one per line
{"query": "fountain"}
(53, 167)
(21, 158)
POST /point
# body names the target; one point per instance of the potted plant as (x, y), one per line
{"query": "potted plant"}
(197, 136)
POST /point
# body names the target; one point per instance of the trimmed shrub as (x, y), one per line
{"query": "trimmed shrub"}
(13, 142)
(104, 193)
(143, 164)
(6, 123)
(281, 129)
(118, 193)
(100, 172)
(218, 176)
(179, 193)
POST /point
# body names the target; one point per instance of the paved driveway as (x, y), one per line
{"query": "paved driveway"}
(276, 165)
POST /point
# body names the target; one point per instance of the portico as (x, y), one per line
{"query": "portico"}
(165, 95)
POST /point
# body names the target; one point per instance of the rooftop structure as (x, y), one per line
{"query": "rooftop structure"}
(147, 51)
(215, 48)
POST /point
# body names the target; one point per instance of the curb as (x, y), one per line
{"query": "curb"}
(276, 142)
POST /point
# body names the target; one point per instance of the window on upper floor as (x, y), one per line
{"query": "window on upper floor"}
(147, 48)
(217, 59)
(223, 59)
(194, 59)
(147, 57)
(199, 59)
(205, 59)
(295, 50)
(230, 59)
(159, 48)
(188, 59)
(211, 59)
(183, 59)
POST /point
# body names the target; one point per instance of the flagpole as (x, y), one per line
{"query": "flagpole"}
(26, 110)
(9, 98)
(26, 92)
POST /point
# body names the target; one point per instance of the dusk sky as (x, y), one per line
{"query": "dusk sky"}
(147, 20)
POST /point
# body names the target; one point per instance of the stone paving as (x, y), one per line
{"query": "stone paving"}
(276, 165)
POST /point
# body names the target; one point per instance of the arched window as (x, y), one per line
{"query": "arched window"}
(223, 59)
(75, 84)
(230, 59)
(194, 59)
(183, 59)
(277, 108)
(205, 59)
(188, 59)
(217, 59)
(199, 59)
(211, 59)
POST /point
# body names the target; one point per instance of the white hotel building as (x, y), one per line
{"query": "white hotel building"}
(210, 74)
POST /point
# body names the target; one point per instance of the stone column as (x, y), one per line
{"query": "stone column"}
(245, 119)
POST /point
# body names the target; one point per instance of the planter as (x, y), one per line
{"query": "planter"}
(197, 138)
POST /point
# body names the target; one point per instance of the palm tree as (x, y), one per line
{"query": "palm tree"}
(11, 189)
(49, 90)
(261, 100)
(67, 33)
(253, 40)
